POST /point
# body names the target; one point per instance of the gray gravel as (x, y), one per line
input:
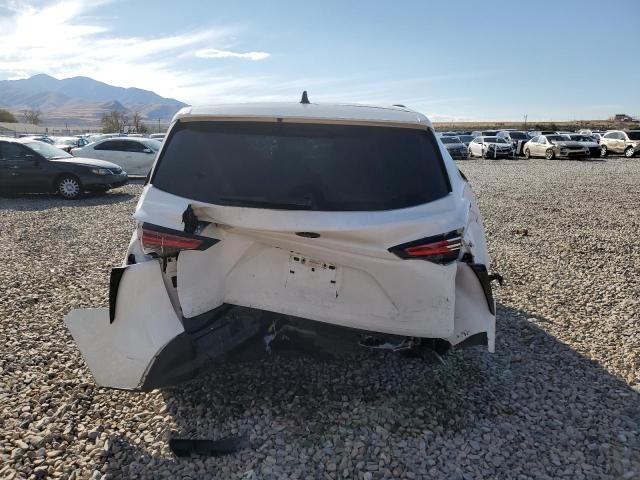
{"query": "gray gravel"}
(558, 399)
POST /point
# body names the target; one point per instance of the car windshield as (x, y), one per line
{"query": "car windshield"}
(558, 138)
(581, 138)
(518, 135)
(466, 138)
(67, 141)
(289, 166)
(154, 145)
(494, 140)
(450, 140)
(635, 135)
(47, 151)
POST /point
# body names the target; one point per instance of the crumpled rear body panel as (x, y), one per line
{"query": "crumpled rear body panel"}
(148, 332)
(365, 293)
(120, 353)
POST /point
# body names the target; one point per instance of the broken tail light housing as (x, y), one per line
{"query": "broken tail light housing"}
(441, 249)
(164, 241)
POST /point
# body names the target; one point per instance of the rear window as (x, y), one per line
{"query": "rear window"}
(633, 135)
(302, 166)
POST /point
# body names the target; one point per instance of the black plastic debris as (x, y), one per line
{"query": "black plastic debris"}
(210, 448)
(189, 219)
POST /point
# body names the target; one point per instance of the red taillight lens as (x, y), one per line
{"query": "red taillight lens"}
(439, 249)
(152, 239)
(435, 248)
(164, 241)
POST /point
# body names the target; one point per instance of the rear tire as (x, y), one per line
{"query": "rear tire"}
(550, 154)
(629, 152)
(527, 153)
(69, 187)
(603, 151)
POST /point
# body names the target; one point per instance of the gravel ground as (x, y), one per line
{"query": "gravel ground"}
(558, 399)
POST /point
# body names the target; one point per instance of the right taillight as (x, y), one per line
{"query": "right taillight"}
(165, 241)
(443, 248)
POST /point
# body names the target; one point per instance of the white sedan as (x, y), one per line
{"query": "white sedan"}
(135, 155)
(490, 147)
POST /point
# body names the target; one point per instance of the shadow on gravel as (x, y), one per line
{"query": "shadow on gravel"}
(37, 202)
(536, 408)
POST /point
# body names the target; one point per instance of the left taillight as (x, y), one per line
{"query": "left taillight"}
(165, 241)
(442, 249)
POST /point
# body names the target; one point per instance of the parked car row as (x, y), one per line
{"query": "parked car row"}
(547, 144)
(28, 165)
(63, 143)
(134, 153)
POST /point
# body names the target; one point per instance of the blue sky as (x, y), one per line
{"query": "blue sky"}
(463, 60)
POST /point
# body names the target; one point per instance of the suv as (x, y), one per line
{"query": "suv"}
(620, 141)
(317, 226)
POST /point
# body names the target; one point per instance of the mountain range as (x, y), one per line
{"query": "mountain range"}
(82, 100)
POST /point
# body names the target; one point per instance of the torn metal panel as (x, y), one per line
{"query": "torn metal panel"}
(120, 353)
(474, 309)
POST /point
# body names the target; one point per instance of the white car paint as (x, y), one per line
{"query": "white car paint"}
(346, 277)
(135, 155)
(121, 351)
(479, 145)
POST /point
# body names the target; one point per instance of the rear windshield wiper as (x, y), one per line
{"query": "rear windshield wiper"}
(266, 203)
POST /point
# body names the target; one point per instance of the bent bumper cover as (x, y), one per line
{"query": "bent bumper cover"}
(142, 343)
(119, 354)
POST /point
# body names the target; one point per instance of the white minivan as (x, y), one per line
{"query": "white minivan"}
(314, 225)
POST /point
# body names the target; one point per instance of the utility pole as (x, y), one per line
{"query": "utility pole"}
(158, 125)
(525, 122)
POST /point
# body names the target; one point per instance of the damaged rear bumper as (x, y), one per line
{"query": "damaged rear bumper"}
(142, 341)
(120, 353)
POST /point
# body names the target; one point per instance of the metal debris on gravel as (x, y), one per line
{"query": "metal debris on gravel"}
(559, 398)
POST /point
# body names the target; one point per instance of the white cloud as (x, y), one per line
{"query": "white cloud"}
(64, 38)
(215, 53)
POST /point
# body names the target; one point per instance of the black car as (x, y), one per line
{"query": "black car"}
(455, 147)
(29, 166)
(517, 138)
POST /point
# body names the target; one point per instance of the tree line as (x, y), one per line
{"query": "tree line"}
(116, 121)
(28, 116)
(113, 121)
